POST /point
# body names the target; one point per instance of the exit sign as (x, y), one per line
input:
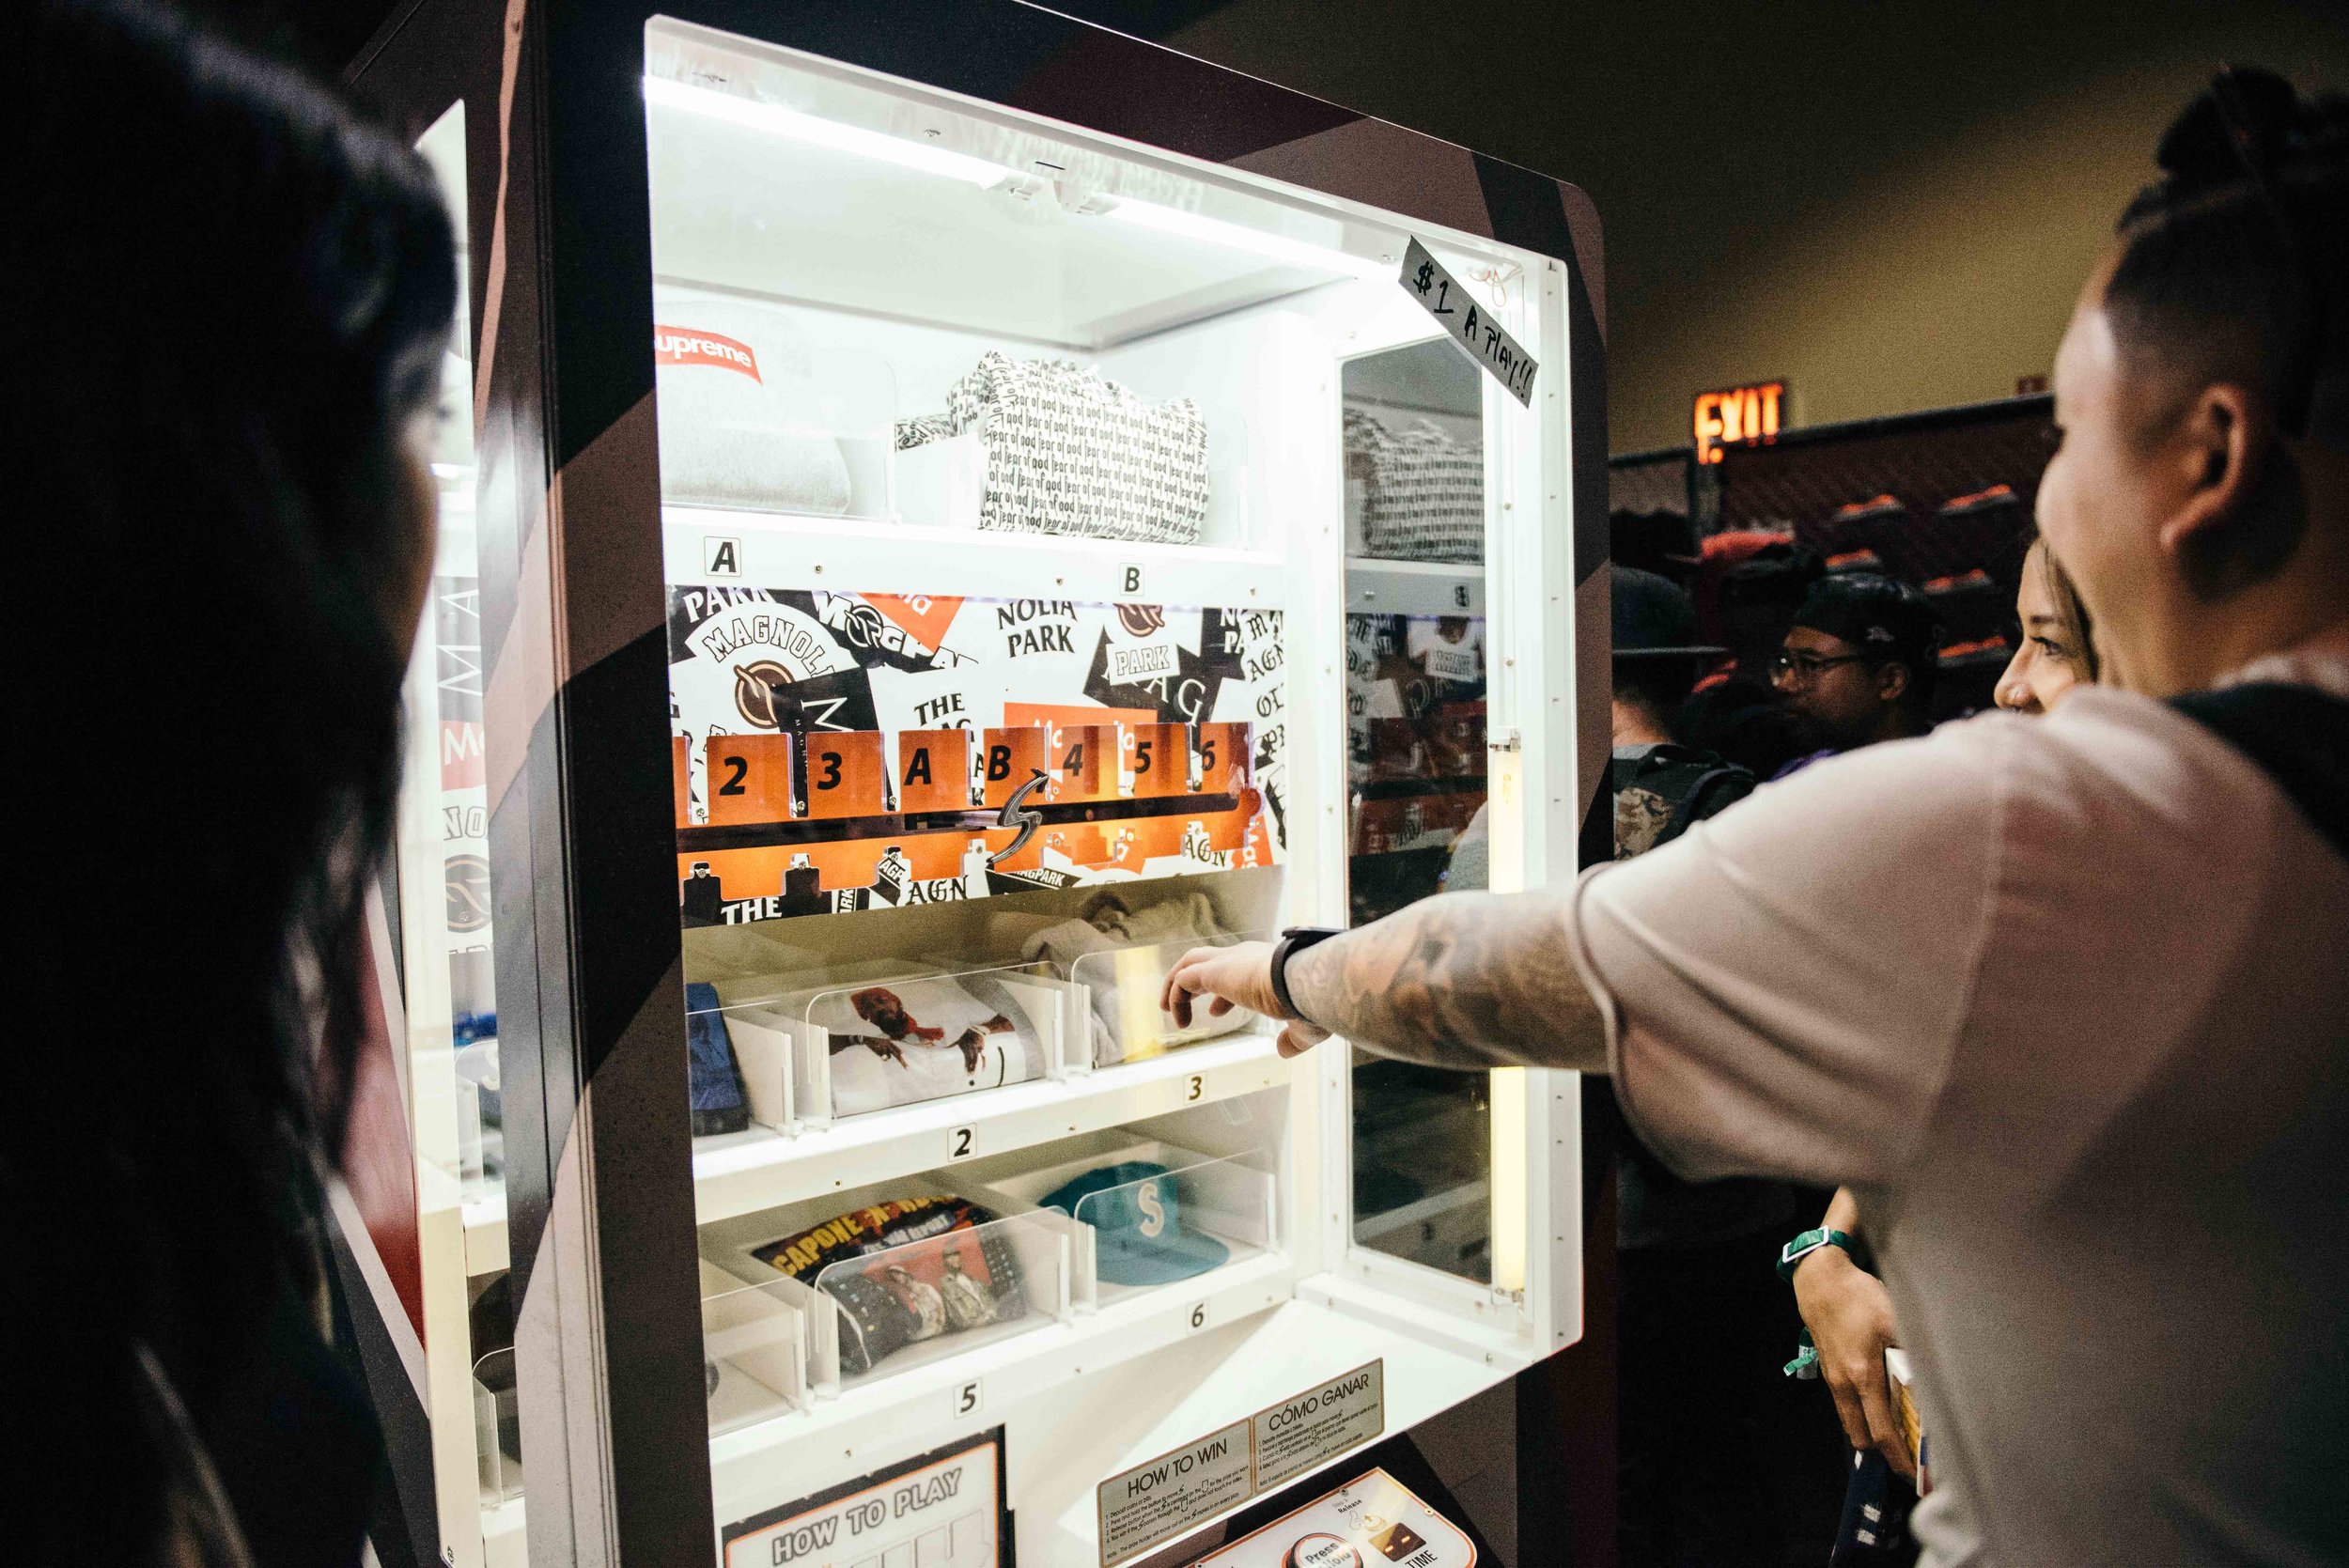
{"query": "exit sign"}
(1741, 415)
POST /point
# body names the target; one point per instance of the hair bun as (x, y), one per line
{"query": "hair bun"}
(2280, 129)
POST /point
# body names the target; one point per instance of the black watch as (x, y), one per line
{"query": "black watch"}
(1294, 940)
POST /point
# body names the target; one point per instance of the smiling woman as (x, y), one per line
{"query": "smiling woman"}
(230, 300)
(2056, 653)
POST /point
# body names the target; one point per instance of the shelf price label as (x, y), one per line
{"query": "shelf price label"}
(1469, 321)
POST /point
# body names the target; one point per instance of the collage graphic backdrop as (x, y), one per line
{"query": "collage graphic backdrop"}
(813, 663)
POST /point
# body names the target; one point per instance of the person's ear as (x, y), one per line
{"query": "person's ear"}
(1892, 682)
(2215, 444)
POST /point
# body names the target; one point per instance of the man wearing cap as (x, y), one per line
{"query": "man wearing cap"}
(1713, 1447)
(1858, 665)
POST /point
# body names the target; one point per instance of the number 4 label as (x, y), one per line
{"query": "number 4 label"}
(969, 1398)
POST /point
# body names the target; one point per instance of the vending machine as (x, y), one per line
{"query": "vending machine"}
(945, 509)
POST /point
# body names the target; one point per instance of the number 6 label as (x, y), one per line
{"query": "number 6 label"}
(1195, 1319)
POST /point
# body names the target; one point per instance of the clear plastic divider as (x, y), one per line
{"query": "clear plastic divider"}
(924, 1300)
(1165, 1225)
(739, 1060)
(1125, 986)
(1143, 1213)
(754, 1349)
(497, 1428)
(907, 1038)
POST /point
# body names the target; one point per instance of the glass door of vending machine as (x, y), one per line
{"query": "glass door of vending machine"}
(1079, 504)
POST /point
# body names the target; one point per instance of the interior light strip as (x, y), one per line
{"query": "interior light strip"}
(777, 121)
(1239, 237)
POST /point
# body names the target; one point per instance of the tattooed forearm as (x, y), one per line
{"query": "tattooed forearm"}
(1469, 980)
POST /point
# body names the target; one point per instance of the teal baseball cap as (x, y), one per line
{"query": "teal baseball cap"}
(1138, 1237)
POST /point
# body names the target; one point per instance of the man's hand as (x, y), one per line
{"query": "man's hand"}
(1849, 1315)
(1235, 976)
(884, 1048)
(973, 1044)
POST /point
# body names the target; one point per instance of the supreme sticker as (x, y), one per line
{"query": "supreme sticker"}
(682, 346)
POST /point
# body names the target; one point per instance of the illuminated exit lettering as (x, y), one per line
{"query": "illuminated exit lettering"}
(1743, 415)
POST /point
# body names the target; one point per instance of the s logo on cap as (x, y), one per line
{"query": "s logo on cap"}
(1153, 1212)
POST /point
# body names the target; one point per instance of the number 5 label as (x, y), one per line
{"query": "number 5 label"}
(968, 1398)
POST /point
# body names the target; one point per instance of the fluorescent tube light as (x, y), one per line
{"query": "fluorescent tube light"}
(1239, 237)
(814, 128)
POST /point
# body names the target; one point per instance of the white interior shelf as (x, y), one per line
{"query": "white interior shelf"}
(745, 1172)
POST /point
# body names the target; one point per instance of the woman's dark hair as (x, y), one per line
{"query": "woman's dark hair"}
(2235, 266)
(230, 297)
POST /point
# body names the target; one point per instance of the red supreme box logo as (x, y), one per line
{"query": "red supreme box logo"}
(683, 346)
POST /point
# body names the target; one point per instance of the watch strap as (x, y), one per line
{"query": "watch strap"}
(1808, 1243)
(1294, 940)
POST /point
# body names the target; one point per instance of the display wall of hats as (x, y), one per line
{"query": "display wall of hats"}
(754, 416)
(1049, 446)
(1151, 1213)
(902, 1274)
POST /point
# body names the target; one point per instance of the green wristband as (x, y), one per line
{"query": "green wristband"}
(1806, 1244)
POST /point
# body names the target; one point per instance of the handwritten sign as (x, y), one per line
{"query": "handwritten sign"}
(1470, 322)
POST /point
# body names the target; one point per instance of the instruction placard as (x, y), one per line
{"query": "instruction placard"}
(1473, 324)
(1294, 1435)
(1158, 1501)
(1187, 1487)
(944, 1507)
(1372, 1520)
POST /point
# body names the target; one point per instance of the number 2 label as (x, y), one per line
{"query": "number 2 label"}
(962, 1142)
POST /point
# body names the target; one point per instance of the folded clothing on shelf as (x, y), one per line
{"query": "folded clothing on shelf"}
(1070, 452)
(938, 1272)
(1425, 499)
(923, 1038)
(712, 1079)
(1128, 1026)
(741, 419)
(1137, 1218)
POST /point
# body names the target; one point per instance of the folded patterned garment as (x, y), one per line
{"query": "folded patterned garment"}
(932, 1270)
(1425, 495)
(1128, 1022)
(1070, 452)
(923, 1038)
